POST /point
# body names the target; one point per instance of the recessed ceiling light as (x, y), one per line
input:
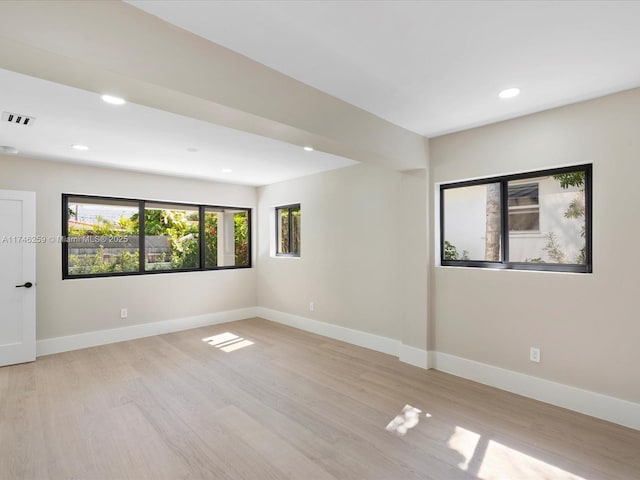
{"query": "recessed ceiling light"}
(8, 149)
(227, 170)
(509, 93)
(308, 149)
(113, 100)
(79, 147)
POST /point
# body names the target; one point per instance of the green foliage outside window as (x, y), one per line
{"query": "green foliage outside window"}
(451, 252)
(100, 263)
(241, 222)
(288, 234)
(179, 227)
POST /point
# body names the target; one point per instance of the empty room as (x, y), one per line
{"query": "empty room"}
(377, 240)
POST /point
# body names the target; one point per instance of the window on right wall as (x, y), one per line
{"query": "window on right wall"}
(288, 230)
(531, 221)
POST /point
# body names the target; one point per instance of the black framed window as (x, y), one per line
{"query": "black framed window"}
(106, 236)
(288, 230)
(532, 221)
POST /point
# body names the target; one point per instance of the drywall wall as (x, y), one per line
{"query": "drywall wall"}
(586, 325)
(363, 251)
(67, 307)
(414, 250)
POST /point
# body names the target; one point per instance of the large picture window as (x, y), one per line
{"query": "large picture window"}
(109, 236)
(533, 221)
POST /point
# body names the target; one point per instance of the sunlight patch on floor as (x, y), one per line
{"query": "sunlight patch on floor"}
(464, 442)
(227, 342)
(405, 420)
(490, 460)
(502, 462)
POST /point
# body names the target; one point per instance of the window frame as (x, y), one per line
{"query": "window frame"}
(503, 263)
(141, 236)
(289, 208)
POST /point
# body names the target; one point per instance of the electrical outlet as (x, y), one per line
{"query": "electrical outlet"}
(534, 354)
(312, 307)
(124, 313)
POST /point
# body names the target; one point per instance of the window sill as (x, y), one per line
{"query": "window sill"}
(463, 268)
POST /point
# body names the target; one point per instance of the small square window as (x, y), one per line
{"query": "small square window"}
(288, 230)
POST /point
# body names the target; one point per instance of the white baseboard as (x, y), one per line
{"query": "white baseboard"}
(413, 356)
(405, 353)
(131, 332)
(431, 358)
(590, 403)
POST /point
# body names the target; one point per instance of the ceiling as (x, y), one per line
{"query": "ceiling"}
(139, 138)
(432, 67)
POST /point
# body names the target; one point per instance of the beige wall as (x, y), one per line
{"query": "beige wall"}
(82, 305)
(585, 324)
(363, 251)
(414, 258)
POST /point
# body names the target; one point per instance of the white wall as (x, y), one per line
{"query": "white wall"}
(363, 252)
(585, 324)
(83, 305)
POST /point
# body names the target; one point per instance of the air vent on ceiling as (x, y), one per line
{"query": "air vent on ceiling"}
(17, 118)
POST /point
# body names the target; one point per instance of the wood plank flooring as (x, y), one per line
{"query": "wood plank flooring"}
(263, 401)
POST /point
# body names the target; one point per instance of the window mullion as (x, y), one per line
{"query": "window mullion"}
(442, 220)
(201, 236)
(588, 225)
(141, 236)
(290, 216)
(504, 221)
(65, 236)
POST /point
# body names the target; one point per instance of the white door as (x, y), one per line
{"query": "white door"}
(17, 277)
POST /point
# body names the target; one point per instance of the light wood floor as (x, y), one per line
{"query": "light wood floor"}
(291, 405)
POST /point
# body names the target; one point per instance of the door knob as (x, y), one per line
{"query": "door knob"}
(26, 285)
